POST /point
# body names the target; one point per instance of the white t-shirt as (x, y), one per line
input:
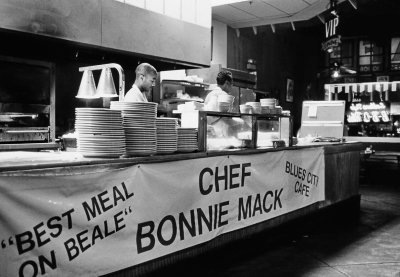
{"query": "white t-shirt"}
(211, 101)
(135, 95)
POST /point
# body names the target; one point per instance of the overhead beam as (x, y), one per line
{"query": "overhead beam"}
(353, 3)
(321, 19)
(318, 7)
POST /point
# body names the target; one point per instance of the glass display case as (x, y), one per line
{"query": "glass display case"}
(225, 131)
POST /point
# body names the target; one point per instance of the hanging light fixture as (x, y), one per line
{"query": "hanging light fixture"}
(335, 70)
(87, 88)
(335, 74)
(106, 86)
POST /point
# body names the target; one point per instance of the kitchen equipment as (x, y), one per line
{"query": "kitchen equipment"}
(27, 104)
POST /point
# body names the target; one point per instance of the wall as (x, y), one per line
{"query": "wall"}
(281, 55)
(219, 43)
(241, 48)
(78, 33)
(118, 26)
(193, 11)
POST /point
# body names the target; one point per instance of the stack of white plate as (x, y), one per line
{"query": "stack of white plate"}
(255, 107)
(268, 105)
(187, 139)
(100, 132)
(167, 135)
(139, 126)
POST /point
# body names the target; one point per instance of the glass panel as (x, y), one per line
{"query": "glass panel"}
(395, 53)
(377, 67)
(347, 49)
(395, 45)
(347, 62)
(225, 132)
(370, 53)
(335, 53)
(377, 59)
(268, 131)
(24, 95)
(364, 68)
(365, 60)
(365, 48)
(395, 58)
(23, 83)
(377, 50)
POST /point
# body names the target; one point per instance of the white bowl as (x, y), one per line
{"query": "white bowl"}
(245, 108)
(226, 98)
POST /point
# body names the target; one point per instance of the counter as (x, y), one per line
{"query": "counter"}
(378, 143)
(63, 214)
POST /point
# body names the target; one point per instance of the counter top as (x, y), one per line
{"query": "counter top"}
(25, 160)
(374, 139)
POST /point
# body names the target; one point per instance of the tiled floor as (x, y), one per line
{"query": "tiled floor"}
(324, 245)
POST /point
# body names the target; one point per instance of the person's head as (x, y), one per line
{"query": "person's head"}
(224, 80)
(146, 76)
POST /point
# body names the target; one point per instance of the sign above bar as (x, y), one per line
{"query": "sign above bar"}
(331, 34)
(332, 37)
(360, 87)
(331, 27)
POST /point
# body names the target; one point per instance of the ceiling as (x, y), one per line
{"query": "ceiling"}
(268, 12)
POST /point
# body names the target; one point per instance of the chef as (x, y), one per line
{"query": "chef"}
(224, 82)
(221, 127)
(145, 79)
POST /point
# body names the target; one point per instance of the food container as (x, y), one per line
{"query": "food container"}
(245, 108)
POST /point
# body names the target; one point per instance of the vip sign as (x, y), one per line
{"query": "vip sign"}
(331, 26)
(331, 35)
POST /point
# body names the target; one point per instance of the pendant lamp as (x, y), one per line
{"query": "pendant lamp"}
(106, 87)
(87, 88)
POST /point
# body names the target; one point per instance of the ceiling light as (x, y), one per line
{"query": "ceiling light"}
(335, 74)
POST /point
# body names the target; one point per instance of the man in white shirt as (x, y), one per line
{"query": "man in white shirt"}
(224, 82)
(146, 76)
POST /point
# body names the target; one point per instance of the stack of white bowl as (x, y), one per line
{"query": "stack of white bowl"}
(139, 126)
(278, 110)
(268, 105)
(225, 102)
(187, 139)
(99, 132)
(255, 107)
(167, 135)
(244, 108)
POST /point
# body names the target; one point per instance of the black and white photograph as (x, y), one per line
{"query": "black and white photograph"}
(289, 90)
(234, 138)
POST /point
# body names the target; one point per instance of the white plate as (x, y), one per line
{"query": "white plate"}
(90, 154)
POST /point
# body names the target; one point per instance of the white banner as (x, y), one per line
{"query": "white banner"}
(95, 223)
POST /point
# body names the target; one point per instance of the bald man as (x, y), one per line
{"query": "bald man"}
(146, 76)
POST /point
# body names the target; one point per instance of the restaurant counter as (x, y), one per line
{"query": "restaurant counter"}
(378, 143)
(63, 214)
